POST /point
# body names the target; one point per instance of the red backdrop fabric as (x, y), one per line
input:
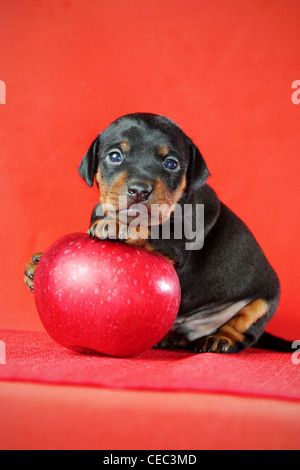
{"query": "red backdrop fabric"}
(34, 357)
(223, 71)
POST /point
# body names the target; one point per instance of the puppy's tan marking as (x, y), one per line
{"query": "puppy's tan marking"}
(179, 192)
(164, 150)
(162, 195)
(110, 194)
(233, 331)
(248, 315)
(125, 146)
(103, 189)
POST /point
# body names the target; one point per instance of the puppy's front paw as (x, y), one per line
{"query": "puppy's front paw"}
(30, 270)
(113, 229)
(108, 229)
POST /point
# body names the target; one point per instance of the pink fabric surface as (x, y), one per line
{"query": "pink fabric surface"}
(35, 357)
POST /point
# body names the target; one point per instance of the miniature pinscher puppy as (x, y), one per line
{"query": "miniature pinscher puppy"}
(229, 291)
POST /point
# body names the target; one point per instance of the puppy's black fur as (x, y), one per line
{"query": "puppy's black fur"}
(229, 290)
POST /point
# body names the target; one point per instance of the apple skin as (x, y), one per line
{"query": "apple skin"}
(105, 297)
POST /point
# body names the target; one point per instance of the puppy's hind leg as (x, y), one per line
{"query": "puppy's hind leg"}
(241, 331)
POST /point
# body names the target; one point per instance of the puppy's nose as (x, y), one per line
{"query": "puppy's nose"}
(139, 192)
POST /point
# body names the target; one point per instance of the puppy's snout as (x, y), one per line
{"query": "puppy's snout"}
(139, 191)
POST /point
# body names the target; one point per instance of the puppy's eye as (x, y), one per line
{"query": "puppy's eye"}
(115, 157)
(170, 163)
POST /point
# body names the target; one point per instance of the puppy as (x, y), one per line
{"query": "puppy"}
(229, 291)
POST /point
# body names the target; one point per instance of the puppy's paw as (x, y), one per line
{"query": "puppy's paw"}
(108, 229)
(214, 343)
(30, 270)
(113, 229)
(172, 341)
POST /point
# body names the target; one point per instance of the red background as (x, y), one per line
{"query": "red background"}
(222, 70)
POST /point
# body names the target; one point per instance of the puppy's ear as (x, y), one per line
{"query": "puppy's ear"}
(197, 172)
(88, 166)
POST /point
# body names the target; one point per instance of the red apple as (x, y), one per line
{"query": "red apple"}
(105, 296)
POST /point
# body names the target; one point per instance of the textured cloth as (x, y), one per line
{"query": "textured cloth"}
(35, 357)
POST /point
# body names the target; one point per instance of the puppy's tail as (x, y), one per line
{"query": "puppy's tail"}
(273, 343)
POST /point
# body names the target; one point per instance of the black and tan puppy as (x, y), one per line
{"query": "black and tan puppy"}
(229, 290)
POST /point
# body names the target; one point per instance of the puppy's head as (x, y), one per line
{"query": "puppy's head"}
(142, 160)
